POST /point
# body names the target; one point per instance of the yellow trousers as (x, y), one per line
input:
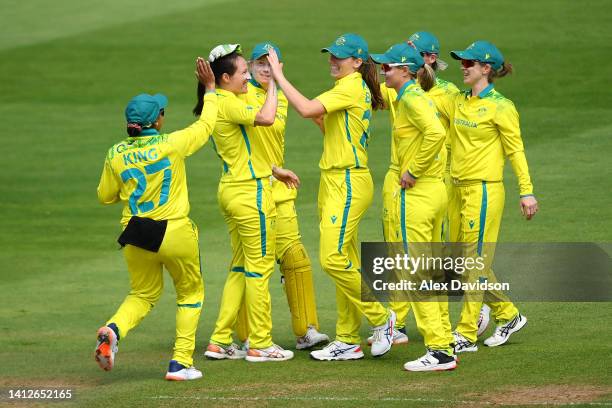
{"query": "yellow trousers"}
(292, 257)
(475, 214)
(419, 214)
(344, 197)
(179, 253)
(250, 213)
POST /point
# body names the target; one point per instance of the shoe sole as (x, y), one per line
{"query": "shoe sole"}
(103, 354)
(211, 355)
(482, 326)
(170, 377)
(253, 359)
(470, 350)
(357, 357)
(395, 342)
(515, 330)
(309, 346)
(440, 367)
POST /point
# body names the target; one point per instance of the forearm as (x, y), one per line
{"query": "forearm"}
(305, 107)
(267, 113)
(521, 170)
(432, 144)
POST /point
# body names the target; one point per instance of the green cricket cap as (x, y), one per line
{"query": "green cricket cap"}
(262, 49)
(481, 51)
(348, 45)
(144, 109)
(401, 54)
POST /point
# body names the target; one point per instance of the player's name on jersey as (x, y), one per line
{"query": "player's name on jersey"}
(140, 156)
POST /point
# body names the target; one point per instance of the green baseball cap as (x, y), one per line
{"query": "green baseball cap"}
(222, 50)
(401, 54)
(348, 45)
(481, 51)
(425, 42)
(262, 49)
(144, 109)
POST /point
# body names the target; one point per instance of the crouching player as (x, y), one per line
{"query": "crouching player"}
(147, 173)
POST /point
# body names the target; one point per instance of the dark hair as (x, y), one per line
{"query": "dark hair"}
(134, 129)
(434, 66)
(224, 65)
(426, 77)
(370, 75)
(506, 69)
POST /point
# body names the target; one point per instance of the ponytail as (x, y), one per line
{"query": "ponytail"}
(369, 74)
(197, 110)
(134, 129)
(426, 77)
(506, 69)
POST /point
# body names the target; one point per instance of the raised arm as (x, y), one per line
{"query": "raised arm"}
(267, 113)
(306, 108)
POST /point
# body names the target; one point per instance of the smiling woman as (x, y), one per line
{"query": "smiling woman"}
(346, 187)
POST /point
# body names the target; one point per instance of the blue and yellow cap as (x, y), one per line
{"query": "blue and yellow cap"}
(481, 51)
(144, 109)
(401, 54)
(348, 45)
(425, 42)
(262, 49)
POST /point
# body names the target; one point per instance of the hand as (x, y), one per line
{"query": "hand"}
(275, 65)
(286, 176)
(529, 207)
(205, 74)
(407, 181)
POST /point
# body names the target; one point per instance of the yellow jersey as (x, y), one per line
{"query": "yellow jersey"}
(272, 137)
(484, 129)
(389, 96)
(243, 154)
(418, 134)
(347, 124)
(147, 172)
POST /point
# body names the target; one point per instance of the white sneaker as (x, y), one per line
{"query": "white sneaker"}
(483, 319)
(399, 337)
(463, 345)
(503, 332)
(106, 348)
(433, 360)
(311, 339)
(337, 350)
(383, 337)
(272, 353)
(245, 346)
(178, 372)
(231, 352)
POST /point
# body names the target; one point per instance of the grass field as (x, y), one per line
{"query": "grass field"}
(68, 70)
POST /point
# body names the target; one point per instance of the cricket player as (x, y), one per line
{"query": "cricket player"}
(429, 47)
(146, 172)
(290, 252)
(420, 194)
(484, 131)
(245, 198)
(346, 188)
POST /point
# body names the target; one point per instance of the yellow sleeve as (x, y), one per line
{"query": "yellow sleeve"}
(445, 104)
(239, 112)
(191, 139)
(422, 114)
(281, 113)
(109, 186)
(507, 121)
(387, 96)
(520, 168)
(338, 98)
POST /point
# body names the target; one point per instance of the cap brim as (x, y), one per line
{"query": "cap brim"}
(161, 100)
(338, 53)
(261, 54)
(381, 58)
(462, 55)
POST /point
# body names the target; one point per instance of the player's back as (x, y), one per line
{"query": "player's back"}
(150, 173)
